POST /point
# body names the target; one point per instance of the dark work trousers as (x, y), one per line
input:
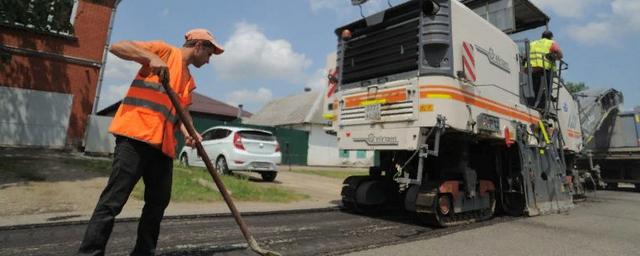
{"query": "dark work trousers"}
(538, 79)
(132, 160)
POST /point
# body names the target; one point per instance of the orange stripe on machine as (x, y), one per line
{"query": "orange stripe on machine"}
(478, 101)
(389, 96)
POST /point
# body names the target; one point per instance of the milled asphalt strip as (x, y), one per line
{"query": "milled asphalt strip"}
(175, 217)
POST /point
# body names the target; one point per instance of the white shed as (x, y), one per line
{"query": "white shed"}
(304, 112)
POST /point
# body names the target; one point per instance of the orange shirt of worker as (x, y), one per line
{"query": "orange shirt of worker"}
(146, 113)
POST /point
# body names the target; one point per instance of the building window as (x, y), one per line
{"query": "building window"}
(360, 154)
(344, 153)
(52, 16)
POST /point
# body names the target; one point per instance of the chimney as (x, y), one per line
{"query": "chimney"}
(307, 89)
(239, 111)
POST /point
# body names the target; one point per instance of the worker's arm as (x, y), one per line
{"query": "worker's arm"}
(556, 49)
(128, 50)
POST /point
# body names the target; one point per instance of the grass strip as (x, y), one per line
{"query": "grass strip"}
(194, 184)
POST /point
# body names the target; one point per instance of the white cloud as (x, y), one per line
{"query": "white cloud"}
(111, 94)
(344, 7)
(566, 8)
(118, 74)
(318, 80)
(628, 11)
(249, 54)
(609, 28)
(119, 69)
(593, 33)
(251, 99)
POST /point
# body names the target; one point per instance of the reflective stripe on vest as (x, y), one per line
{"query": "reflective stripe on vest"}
(538, 54)
(147, 85)
(152, 106)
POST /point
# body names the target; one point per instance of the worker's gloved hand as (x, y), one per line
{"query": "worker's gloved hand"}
(156, 66)
(552, 56)
(191, 141)
(164, 75)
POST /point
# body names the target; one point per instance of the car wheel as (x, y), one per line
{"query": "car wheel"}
(221, 166)
(268, 176)
(184, 161)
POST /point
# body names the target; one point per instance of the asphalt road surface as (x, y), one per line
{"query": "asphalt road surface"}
(606, 225)
(324, 232)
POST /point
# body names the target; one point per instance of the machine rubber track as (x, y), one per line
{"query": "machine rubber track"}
(437, 218)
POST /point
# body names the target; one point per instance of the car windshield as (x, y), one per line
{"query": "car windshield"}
(257, 135)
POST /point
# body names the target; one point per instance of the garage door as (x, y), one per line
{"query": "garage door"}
(34, 118)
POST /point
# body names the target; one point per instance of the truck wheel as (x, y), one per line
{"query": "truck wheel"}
(612, 185)
(268, 176)
(637, 187)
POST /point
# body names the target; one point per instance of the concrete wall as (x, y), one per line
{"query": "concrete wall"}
(34, 118)
(99, 140)
(323, 148)
(360, 158)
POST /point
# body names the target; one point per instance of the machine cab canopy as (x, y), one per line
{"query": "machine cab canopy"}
(511, 16)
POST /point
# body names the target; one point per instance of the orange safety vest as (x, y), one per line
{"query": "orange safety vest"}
(146, 113)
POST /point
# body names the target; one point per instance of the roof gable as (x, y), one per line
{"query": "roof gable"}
(296, 109)
(200, 104)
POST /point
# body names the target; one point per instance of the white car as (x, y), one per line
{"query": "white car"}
(237, 149)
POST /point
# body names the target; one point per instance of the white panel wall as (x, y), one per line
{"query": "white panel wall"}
(354, 160)
(98, 139)
(34, 118)
(323, 148)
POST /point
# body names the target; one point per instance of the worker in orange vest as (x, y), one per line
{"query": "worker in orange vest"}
(144, 128)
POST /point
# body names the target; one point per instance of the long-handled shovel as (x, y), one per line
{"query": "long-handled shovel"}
(216, 178)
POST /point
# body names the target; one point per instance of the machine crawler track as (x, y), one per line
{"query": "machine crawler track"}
(454, 219)
(442, 211)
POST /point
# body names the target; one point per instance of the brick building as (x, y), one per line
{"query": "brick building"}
(52, 52)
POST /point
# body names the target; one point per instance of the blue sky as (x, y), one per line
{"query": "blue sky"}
(275, 48)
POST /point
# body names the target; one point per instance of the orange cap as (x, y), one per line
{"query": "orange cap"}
(203, 34)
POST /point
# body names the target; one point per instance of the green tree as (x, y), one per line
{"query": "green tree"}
(575, 87)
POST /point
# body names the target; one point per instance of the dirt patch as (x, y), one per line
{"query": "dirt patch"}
(59, 183)
(50, 197)
(40, 181)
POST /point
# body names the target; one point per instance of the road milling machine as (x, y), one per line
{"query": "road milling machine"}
(445, 98)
